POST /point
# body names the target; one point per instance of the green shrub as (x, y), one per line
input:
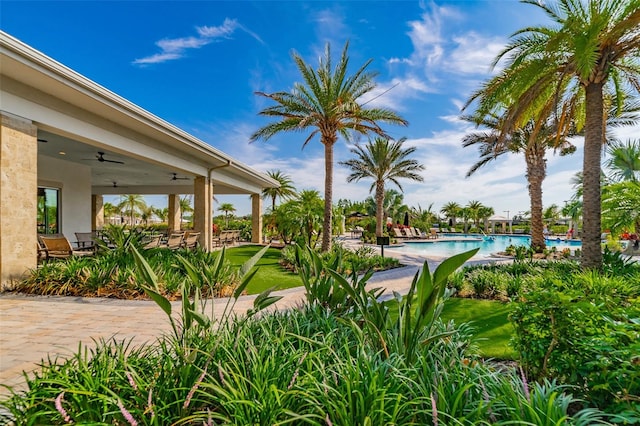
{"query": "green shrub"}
(582, 329)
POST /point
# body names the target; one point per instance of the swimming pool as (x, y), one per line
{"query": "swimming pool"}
(496, 243)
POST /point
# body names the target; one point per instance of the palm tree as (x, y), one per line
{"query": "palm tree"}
(531, 140)
(593, 44)
(474, 207)
(285, 191)
(624, 161)
(451, 210)
(132, 205)
(109, 210)
(162, 213)
(383, 160)
(147, 213)
(185, 207)
(484, 213)
(226, 208)
(327, 101)
(551, 214)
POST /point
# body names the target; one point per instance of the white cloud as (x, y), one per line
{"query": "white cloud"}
(473, 54)
(176, 48)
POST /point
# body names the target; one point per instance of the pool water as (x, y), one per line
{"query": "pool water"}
(488, 245)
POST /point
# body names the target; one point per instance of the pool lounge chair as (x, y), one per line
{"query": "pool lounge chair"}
(398, 233)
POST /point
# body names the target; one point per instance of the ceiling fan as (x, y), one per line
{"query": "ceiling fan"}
(100, 158)
(175, 177)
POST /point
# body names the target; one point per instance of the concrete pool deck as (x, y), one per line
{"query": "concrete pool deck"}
(35, 328)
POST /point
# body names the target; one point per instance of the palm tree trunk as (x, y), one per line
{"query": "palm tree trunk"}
(593, 139)
(379, 208)
(536, 172)
(328, 193)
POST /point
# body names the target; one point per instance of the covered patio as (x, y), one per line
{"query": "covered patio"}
(500, 220)
(67, 141)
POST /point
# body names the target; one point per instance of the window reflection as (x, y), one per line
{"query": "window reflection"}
(48, 211)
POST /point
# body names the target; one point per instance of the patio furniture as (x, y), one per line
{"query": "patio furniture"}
(153, 241)
(58, 247)
(174, 241)
(190, 240)
(85, 241)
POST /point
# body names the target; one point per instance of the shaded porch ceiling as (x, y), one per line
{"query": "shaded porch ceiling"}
(134, 176)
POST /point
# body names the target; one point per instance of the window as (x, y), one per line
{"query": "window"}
(48, 210)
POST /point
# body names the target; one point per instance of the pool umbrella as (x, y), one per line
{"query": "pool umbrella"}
(406, 219)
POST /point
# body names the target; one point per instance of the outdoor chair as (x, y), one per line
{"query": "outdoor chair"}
(85, 241)
(58, 247)
(174, 241)
(433, 233)
(398, 233)
(190, 240)
(152, 242)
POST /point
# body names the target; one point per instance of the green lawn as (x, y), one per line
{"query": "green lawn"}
(269, 274)
(489, 318)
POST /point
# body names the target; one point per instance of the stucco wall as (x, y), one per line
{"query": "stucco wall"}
(75, 181)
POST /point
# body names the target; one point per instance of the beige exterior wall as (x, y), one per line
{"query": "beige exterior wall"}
(256, 218)
(202, 203)
(18, 197)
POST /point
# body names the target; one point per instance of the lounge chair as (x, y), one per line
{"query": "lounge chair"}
(398, 233)
(85, 241)
(433, 233)
(190, 240)
(152, 242)
(174, 241)
(58, 247)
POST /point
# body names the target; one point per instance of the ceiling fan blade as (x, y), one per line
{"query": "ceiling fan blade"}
(112, 161)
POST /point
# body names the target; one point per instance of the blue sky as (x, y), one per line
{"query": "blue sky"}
(197, 64)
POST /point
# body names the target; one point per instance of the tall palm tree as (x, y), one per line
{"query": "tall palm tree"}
(474, 207)
(531, 140)
(185, 207)
(146, 213)
(226, 208)
(591, 45)
(162, 213)
(132, 205)
(451, 210)
(624, 161)
(329, 101)
(383, 160)
(285, 191)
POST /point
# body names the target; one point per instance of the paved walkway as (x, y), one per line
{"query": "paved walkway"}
(36, 327)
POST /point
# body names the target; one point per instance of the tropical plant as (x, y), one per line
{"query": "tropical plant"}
(591, 49)
(227, 209)
(620, 209)
(551, 214)
(162, 213)
(185, 208)
(452, 211)
(382, 160)
(624, 161)
(132, 205)
(285, 191)
(328, 101)
(533, 140)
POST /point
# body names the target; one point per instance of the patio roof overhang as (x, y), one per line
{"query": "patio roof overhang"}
(80, 118)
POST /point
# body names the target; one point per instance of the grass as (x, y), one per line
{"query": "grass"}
(489, 318)
(269, 274)
(490, 321)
